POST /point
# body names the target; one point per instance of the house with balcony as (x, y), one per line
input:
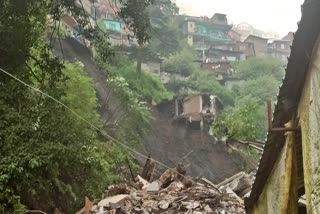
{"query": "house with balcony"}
(205, 33)
(280, 48)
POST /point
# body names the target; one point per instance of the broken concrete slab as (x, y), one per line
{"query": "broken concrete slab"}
(153, 187)
(114, 199)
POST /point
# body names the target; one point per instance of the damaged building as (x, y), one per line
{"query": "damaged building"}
(197, 111)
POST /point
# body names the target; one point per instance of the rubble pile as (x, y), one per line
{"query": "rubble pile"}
(173, 193)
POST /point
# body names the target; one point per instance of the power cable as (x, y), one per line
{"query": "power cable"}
(115, 141)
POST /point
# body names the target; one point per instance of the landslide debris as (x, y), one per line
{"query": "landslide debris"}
(173, 193)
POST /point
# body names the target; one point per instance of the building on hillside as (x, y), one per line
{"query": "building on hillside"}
(245, 30)
(280, 48)
(260, 45)
(117, 30)
(90, 8)
(246, 47)
(288, 177)
(222, 54)
(220, 19)
(234, 35)
(198, 111)
(289, 37)
(102, 13)
(204, 33)
(243, 49)
(222, 67)
(107, 9)
(271, 35)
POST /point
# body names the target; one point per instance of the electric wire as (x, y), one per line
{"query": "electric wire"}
(114, 140)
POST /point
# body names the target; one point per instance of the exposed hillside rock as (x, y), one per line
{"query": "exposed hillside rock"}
(73, 50)
(171, 142)
(168, 141)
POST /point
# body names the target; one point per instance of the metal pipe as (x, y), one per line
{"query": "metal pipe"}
(269, 115)
(289, 129)
(278, 129)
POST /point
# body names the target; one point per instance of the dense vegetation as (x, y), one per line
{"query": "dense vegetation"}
(49, 157)
(244, 116)
(247, 119)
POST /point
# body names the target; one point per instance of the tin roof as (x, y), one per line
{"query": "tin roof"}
(289, 95)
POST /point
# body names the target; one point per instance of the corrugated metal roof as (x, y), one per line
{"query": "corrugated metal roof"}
(289, 95)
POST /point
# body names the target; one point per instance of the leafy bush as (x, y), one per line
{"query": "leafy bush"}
(256, 67)
(247, 119)
(182, 63)
(146, 85)
(50, 158)
(263, 88)
(244, 121)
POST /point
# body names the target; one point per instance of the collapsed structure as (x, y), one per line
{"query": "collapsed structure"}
(198, 110)
(288, 177)
(173, 192)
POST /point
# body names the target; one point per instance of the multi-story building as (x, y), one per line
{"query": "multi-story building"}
(203, 33)
(260, 45)
(245, 30)
(280, 48)
(90, 9)
(213, 38)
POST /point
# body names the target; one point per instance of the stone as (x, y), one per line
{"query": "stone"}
(94, 208)
(193, 205)
(164, 204)
(149, 203)
(153, 187)
(207, 208)
(144, 182)
(114, 199)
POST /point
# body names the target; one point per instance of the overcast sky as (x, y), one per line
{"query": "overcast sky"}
(268, 15)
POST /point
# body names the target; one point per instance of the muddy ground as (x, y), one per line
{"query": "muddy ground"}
(171, 142)
(168, 141)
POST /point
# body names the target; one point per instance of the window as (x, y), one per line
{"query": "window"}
(242, 47)
(282, 46)
(112, 26)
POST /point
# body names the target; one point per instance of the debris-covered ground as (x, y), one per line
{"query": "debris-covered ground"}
(173, 193)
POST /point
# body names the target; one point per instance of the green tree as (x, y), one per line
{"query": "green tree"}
(182, 63)
(201, 82)
(135, 15)
(145, 85)
(244, 121)
(247, 120)
(163, 38)
(263, 88)
(48, 157)
(44, 144)
(254, 68)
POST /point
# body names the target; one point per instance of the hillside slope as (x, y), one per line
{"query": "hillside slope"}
(171, 143)
(167, 141)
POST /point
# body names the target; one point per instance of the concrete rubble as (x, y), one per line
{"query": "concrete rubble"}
(178, 194)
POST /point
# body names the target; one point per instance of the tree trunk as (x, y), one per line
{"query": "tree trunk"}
(139, 60)
(139, 65)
